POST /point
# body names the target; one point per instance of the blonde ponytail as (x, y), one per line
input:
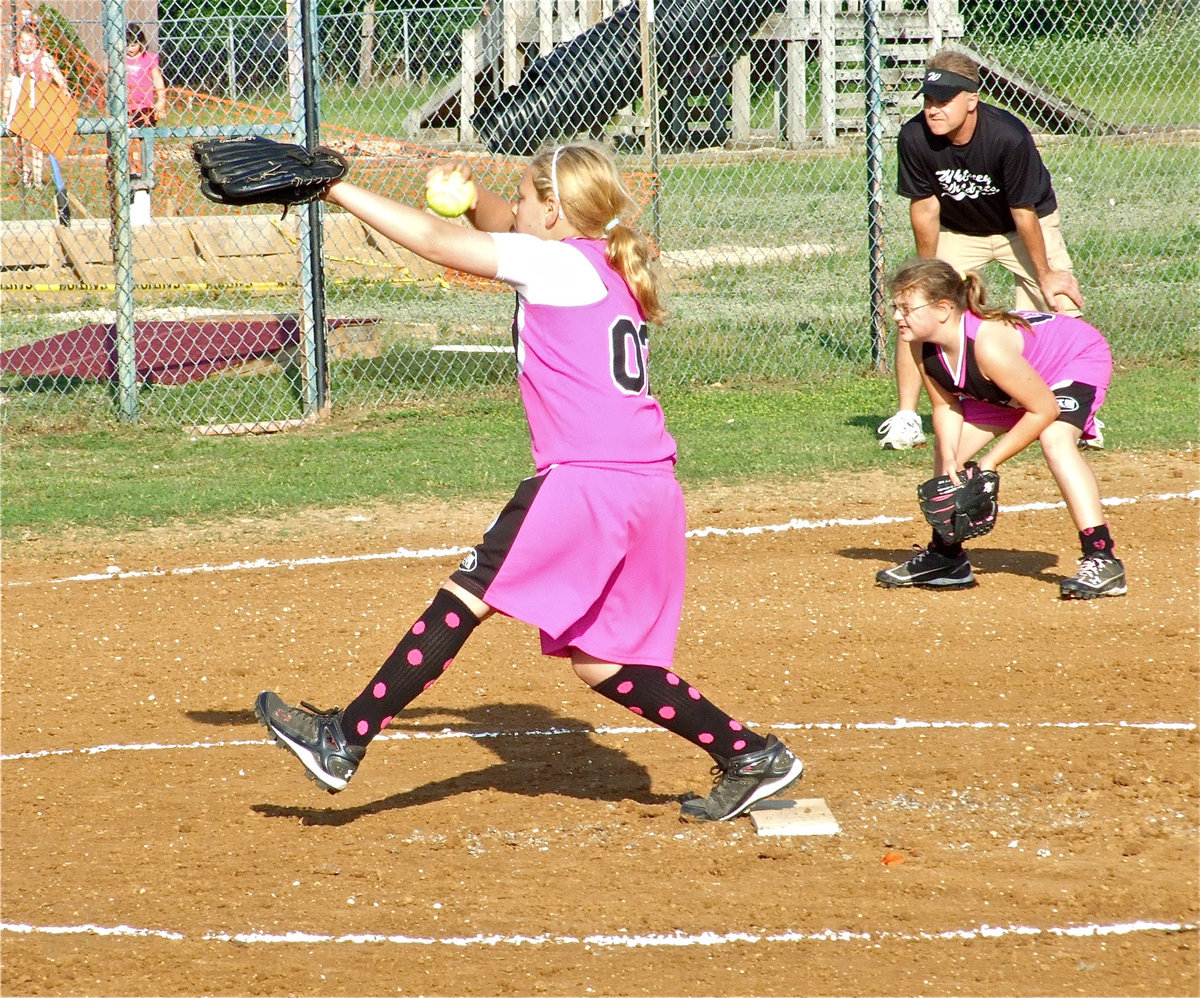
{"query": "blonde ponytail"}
(592, 197)
(629, 253)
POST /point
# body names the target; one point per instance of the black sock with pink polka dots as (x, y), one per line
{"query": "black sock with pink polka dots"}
(1097, 541)
(944, 548)
(662, 697)
(422, 655)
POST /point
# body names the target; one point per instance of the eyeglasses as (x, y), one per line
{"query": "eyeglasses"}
(904, 313)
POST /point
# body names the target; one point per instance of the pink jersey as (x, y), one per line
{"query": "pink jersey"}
(583, 376)
(1060, 348)
(139, 75)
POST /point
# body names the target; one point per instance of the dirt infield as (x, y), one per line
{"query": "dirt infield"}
(1033, 762)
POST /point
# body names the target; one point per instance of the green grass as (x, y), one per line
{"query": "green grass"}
(1157, 70)
(122, 478)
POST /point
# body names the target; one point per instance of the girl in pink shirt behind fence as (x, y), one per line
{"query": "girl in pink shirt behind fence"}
(147, 92)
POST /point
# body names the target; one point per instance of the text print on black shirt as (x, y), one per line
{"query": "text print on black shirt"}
(962, 185)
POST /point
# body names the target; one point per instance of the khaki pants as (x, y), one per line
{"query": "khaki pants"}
(965, 253)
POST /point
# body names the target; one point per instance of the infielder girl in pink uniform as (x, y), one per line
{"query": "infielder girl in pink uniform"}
(1012, 378)
(590, 549)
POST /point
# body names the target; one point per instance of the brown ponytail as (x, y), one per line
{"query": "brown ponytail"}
(938, 281)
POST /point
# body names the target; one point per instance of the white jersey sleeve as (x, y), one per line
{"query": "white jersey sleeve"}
(545, 271)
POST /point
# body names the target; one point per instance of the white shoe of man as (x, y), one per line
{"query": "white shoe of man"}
(902, 431)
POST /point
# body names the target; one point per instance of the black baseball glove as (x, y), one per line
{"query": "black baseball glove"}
(960, 512)
(252, 169)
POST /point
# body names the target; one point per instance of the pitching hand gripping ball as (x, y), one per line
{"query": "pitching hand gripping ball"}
(449, 194)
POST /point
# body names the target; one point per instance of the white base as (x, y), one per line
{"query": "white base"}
(139, 208)
(793, 817)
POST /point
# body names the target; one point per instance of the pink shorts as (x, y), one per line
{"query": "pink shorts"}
(1077, 404)
(592, 556)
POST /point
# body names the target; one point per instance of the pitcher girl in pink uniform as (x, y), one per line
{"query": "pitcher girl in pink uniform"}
(590, 549)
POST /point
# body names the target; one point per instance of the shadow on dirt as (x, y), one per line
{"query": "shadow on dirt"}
(986, 561)
(563, 759)
(222, 718)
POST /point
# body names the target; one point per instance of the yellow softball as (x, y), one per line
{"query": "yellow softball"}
(449, 194)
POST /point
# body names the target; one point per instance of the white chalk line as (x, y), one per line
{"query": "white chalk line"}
(898, 724)
(647, 941)
(114, 572)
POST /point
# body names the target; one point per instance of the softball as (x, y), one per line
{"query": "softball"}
(449, 194)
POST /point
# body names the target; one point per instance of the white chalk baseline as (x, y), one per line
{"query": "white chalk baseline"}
(897, 724)
(114, 572)
(650, 940)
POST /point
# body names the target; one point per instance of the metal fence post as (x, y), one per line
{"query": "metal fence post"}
(113, 14)
(230, 59)
(302, 81)
(874, 113)
(649, 46)
(408, 74)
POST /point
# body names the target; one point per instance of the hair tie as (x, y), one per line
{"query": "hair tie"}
(554, 181)
(554, 175)
(612, 225)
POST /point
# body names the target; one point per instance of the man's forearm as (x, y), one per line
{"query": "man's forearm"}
(926, 225)
(1030, 230)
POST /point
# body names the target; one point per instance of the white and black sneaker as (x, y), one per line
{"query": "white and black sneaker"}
(901, 431)
(1097, 576)
(929, 570)
(743, 779)
(313, 736)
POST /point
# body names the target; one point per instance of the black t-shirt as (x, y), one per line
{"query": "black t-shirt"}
(976, 183)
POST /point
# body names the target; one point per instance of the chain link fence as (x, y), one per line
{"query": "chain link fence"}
(753, 135)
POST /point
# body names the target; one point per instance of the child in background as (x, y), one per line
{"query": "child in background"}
(34, 69)
(147, 92)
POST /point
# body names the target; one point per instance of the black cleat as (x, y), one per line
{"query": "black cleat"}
(1096, 577)
(314, 737)
(743, 779)
(931, 570)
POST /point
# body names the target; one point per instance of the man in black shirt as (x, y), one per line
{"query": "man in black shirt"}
(979, 192)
